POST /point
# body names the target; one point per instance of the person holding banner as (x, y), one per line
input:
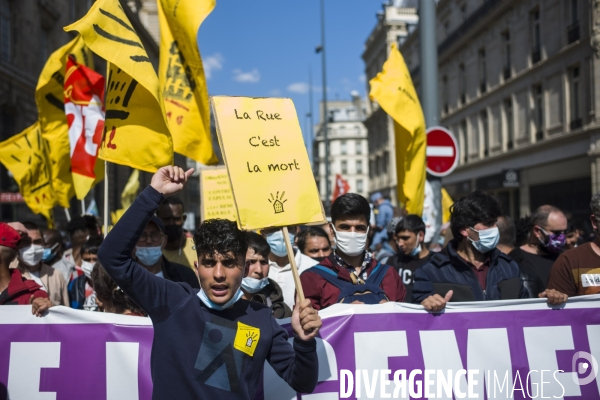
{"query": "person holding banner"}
(351, 274)
(208, 343)
(473, 269)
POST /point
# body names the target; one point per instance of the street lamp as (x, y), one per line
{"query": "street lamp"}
(321, 49)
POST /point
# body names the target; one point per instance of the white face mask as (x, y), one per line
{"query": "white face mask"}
(32, 255)
(87, 268)
(351, 243)
(488, 239)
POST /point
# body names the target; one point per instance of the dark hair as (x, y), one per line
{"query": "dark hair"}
(523, 231)
(311, 231)
(173, 200)
(508, 231)
(32, 226)
(91, 246)
(472, 209)
(108, 292)
(221, 236)
(82, 223)
(412, 223)
(350, 205)
(257, 243)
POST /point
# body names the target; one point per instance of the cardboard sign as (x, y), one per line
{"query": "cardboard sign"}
(216, 199)
(271, 176)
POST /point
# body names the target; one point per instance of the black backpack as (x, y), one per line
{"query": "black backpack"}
(368, 292)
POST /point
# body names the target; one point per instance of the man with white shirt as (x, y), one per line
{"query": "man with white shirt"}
(280, 269)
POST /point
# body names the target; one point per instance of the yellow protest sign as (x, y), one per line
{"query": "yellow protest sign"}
(181, 76)
(51, 111)
(26, 156)
(216, 198)
(135, 128)
(271, 176)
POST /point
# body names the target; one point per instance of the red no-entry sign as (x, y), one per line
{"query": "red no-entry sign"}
(442, 151)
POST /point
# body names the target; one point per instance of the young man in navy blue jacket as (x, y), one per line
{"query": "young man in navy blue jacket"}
(208, 343)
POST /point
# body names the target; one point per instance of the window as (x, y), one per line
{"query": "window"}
(445, 94)
(534, 22)
(462, 135)
(507, 67)
(343, 147)
(344, 167)
(359, 186)
(463, 83)
(510, 129)
(485, 132)
(359, 167)
(573, 28)
(5, 30)
(482, 72)
(538, 111)
(474, 142)
(386, 162)
(358, 147)
(575, 93)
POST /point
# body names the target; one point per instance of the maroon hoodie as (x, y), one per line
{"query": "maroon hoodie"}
(20, 290)
(323, 294)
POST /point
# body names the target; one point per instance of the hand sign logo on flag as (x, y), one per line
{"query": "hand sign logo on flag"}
(84, 99)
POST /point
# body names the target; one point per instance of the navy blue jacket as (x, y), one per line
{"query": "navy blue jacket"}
(199, 353)
(447, 270)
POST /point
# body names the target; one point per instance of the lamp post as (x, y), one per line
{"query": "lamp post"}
(321, 49)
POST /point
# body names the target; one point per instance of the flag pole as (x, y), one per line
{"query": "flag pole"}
(82, 206)
(292, 258)
(105, 197)
(68, 214)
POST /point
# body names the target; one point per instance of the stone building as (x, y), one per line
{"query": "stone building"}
(394, 23)
(517, 86)
(348, 147)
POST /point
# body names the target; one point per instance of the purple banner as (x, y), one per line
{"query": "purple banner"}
(494, 350)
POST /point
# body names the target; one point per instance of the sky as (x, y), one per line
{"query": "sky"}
(266, 48)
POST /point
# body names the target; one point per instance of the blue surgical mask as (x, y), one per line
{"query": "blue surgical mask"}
(253, 285)
(148, 255)
(488, 239)
(49, 253)
(415, 252)
(208, 303)
(277, 243)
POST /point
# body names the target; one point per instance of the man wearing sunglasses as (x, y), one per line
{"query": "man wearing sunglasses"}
(256, 285)
(148, 252)
(547, 238)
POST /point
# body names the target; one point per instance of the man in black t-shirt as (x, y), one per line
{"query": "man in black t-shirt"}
(412, 253)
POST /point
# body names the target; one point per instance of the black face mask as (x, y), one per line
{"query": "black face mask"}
(173, 232)
(319, 259)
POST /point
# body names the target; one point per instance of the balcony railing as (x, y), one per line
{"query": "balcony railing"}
(506, 71)
(573, 32)
(576, 124)
(536, 54)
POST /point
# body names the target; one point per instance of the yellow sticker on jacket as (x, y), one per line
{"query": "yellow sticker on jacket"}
(246, 338)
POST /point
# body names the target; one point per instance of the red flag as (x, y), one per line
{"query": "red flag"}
(341, 187)
(84, 108)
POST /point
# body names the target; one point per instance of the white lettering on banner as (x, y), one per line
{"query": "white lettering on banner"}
(588, 280)
(371, 355)
(541, 344)
(26, 361)
(122, 370)
(440, 352)
(593, 332)
(276, 388)
(490, 360)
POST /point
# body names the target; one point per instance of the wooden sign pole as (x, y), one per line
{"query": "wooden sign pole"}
(290, 251)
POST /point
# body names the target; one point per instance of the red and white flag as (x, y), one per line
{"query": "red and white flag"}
(341, 187)
(84, 108)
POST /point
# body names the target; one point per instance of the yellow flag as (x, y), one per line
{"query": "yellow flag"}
(446, 204)
(26, 156)
(135, 129)
(182, 78)
(128, 195)
(393, 89)
(53, 123)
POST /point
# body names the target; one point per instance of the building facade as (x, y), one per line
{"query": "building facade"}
(394, 24)
(348, 147)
